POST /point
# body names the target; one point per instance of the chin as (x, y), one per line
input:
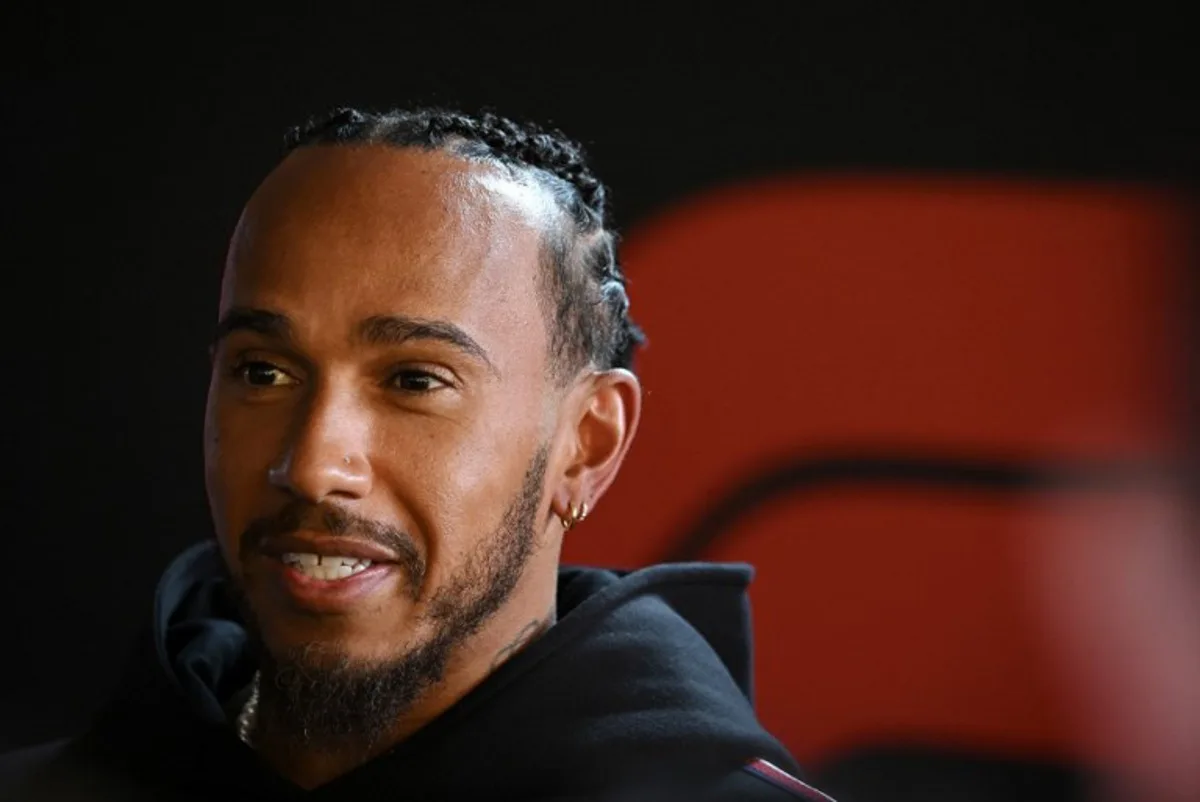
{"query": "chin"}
(332, 640)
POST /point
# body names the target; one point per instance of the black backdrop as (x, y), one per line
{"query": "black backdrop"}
(132, 140)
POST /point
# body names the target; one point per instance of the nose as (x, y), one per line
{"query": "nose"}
(326, 457)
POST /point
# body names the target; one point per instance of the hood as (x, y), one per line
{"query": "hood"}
(646, 674)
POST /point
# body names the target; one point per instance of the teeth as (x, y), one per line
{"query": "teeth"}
(325, 567)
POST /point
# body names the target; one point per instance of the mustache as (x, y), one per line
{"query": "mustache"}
(298, 515)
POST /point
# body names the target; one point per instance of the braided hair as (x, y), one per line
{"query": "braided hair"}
(588, 315)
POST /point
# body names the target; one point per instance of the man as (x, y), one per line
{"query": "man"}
(421, 382)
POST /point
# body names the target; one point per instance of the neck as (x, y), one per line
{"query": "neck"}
(311, 765)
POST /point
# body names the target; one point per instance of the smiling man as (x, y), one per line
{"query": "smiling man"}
(422, 380)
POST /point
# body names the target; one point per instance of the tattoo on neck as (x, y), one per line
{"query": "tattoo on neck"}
(523, 637)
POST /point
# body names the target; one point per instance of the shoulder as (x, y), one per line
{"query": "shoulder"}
(64, 771)
(762, 781)
(18, 766)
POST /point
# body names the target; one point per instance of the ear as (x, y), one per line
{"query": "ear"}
(605, 421)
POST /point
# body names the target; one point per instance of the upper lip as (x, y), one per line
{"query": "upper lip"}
(327, 546)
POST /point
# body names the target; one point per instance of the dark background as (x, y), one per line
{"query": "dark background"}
(131, 142)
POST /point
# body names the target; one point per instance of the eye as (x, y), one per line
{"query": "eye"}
(262, 374)
(412, 380)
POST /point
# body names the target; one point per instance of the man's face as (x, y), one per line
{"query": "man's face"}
(380, 400)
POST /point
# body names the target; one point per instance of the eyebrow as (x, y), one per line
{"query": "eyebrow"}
(375, 330)
(259, 321)
(397, 329)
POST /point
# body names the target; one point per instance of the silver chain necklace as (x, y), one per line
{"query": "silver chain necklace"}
(249, 714)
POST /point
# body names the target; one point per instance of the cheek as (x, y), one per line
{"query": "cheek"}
(459, 479)
(237, 456)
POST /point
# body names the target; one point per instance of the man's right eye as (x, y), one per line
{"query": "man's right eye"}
(262, 374)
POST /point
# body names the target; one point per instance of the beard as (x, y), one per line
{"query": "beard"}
(313, 696)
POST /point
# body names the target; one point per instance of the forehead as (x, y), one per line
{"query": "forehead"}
(336, 234)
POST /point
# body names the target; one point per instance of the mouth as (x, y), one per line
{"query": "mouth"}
(331, 575)
(325, 568)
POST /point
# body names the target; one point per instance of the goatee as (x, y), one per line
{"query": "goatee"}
(315, 697)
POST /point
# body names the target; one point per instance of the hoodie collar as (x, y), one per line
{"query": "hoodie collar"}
(645, 671)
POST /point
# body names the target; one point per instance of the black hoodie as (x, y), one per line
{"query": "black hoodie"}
(639, 691)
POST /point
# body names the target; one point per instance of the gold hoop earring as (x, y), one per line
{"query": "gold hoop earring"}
(573, 516)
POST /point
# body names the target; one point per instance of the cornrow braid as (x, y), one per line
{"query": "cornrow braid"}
(589, 322)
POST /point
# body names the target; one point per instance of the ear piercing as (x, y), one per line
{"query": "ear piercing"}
(573, 516)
